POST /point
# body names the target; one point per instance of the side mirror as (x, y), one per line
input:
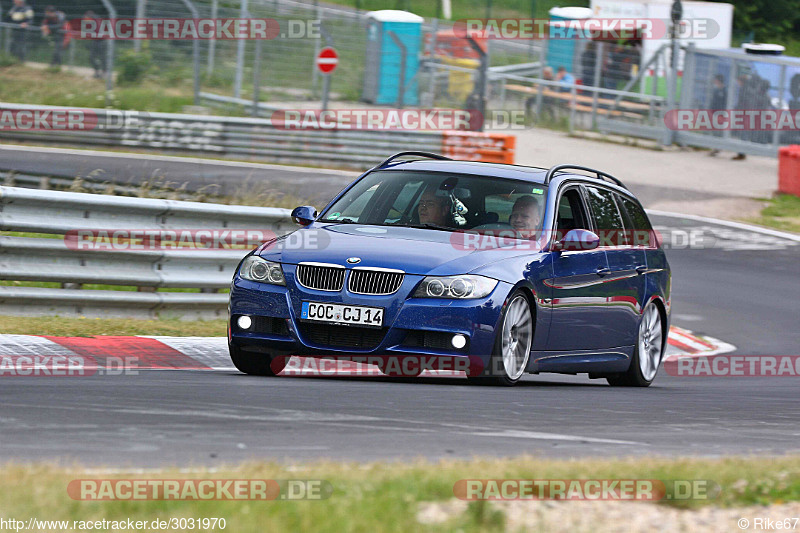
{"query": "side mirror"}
(577, 240)
(304, 215)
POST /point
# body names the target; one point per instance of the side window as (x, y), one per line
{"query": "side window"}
(604, 209)
(638, 224)
(571, 213)
(636, 214)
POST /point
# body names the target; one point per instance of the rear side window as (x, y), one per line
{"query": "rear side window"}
(604, 209)
(636, 214)
(640, 231)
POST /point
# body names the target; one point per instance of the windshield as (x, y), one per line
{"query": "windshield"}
(441, 201)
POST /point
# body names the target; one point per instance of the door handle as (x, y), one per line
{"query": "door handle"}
(641, 269)
(603, 272)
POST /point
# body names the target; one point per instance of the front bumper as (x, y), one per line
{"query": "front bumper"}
(404, 318)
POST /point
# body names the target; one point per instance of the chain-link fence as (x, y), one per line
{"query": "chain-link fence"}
(36, 44)
(752, 84)
(572, 84)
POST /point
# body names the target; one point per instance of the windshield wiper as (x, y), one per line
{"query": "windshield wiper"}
(339, 220)
(430, 225)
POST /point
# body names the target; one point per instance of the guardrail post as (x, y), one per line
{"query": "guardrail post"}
(401, 89)
(598, 72)
(256, 77)
(195, 54)
(573, 102)
(237, 80)
(212, 44)
(781, 85)
(140, 14)
(432, 64)
(112, 13)
(480, 89)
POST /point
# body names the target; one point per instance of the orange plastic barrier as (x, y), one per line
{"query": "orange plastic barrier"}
(476, 146)
(789, 169)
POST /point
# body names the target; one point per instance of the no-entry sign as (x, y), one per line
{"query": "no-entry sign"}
(327, 60)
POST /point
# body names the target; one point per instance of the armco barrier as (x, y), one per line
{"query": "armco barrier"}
(40, 259)
(252, 138)
(789, 169)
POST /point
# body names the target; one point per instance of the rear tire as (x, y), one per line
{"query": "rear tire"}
(512, 346)
(647, 352)
(256, 364)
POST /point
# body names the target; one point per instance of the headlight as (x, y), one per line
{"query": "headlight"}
(459, 287)
(256, 269)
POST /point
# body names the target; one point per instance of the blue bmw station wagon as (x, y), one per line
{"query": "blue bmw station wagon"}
(513, 269)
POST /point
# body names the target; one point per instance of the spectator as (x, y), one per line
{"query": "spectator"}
(565, 77)
(53, 28)
(762, 100)
(719, 100)
(22, 15)
(744, 101)
(95, 50)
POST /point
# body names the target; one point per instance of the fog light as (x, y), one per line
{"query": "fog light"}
(245, 322)
(459, 341)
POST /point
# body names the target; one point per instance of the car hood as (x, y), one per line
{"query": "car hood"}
(413, 250)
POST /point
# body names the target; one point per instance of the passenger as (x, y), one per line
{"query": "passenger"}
(525, 216)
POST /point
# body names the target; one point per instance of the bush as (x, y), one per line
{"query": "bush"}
(132, 67)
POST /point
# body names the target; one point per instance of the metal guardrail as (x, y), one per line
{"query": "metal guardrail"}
(237, 137)
(41, 259)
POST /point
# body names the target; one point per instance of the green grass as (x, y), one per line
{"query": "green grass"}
(783, 212)
(387, 497)
(85, 327)
(33, 86)
(467, 8)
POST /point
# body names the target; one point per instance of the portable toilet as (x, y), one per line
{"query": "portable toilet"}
(382, 68)
(566, 52)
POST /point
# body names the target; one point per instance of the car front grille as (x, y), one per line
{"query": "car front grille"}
(342, 336)
(321, 276)
(374, 281)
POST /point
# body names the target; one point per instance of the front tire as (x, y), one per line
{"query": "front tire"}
(256, 364)
(647, 352)
(512, 347)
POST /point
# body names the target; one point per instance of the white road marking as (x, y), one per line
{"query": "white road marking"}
(520, 434)
(738, 225)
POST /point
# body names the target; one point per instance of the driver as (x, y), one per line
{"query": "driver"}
(432, 209)
(525, 216)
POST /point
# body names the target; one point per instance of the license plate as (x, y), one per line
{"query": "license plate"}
(342, 314)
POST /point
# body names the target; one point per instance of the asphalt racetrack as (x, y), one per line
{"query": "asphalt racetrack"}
(740, 287)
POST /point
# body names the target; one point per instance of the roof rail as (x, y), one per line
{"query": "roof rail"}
(600, 174)
(429, 155)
